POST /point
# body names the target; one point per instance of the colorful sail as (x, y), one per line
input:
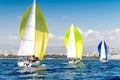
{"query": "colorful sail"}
(99, 48)
(41, 34)
(106, 50)
(102, 50)
(73, 42)
(33, 32)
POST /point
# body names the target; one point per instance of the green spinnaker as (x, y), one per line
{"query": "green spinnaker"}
(41, 31)
(66, 37)
(24, 21)
(78, 41)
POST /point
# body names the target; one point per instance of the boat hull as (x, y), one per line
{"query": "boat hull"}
(76, 65)
(103, 60)
(28, 64)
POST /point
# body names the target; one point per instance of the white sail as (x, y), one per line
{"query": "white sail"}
(103, 54)
(71, 51)
(28, 40)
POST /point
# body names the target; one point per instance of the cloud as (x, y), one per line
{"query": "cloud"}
(93, 37)
(51, 36)
(60, 38)
(55, 40)
(14, 38)
(11, 40)
(54, 37)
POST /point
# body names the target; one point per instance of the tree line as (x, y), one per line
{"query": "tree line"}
(49, 56)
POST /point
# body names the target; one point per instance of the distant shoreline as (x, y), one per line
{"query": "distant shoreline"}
(65, 58)
(53, 56)
(49, 58)
(10, 56)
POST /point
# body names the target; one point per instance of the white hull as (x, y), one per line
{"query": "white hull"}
(103, 60)
(28, 64)
(74, 62)
(79, 64)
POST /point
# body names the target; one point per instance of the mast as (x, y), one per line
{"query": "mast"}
(34, 4)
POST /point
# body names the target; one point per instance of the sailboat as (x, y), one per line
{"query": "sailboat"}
(103, 51)
(74, 45)
(33, 35)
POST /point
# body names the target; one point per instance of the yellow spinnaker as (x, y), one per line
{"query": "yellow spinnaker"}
(41, 31)
(24, 21)
(66, 37)
(78, 41)
(41, 34)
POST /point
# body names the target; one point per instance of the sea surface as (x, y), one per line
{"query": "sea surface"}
(56, 69)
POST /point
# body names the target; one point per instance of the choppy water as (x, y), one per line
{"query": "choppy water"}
(92, 70)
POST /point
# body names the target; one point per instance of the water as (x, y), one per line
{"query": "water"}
(56, 70)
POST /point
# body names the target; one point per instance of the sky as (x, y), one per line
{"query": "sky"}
(97, 20)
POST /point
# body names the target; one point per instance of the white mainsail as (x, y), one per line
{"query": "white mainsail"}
(103, 54)
(28, 40)
(71, 50)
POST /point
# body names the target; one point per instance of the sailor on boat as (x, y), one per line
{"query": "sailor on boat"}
(32, 59)
(74, 61)
(104, 60)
